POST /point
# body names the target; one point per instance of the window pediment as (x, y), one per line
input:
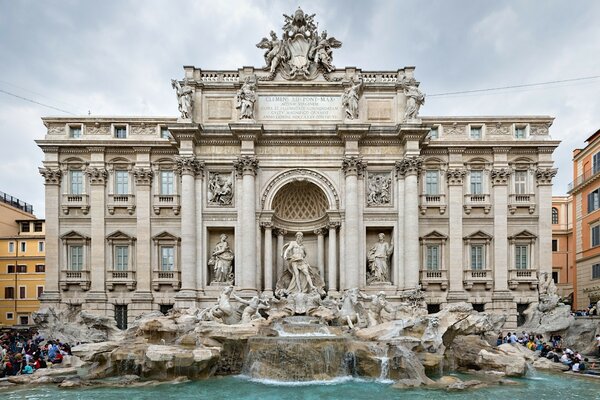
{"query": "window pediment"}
(523, 235)
(434, 236)
(165, 236)
(74, 235)
(119, 235)
(479, 235)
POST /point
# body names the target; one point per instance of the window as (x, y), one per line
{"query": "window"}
(75, 131)
(10, 315)
(520, 182)
(25, 227)
(520, 132)
(121, 182)
(477, 257)
(167, 258)
(40, 247)
(431, 182)
(596, 163)
(166, 182)
(165, 308)
(21, 269)
(595, 271)
(40, 291)
(9, 292)
(23, 320)
(38, 226)
(434, 133)
(164, 133)
(23, 247)
(121, 316)
(476, 182)
(10, 269)
(433, 257)
(554, 215)
(22, 292)
(475, 132)
(11, 247)
(554, 244)
(121, 258)
(120, 132)
(521, 256)
(40, 268)
(76, 181)
(75, 258)
(595, 235)
(593, 199)
(555, 276)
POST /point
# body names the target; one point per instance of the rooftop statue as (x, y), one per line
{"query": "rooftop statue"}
(246, 97)
(302, 52)
(184, 98)
(414, 99)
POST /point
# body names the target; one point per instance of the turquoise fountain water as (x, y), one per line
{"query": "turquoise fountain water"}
(539, 386)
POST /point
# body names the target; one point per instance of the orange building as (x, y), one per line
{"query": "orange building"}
(585, 192)
(563, 271)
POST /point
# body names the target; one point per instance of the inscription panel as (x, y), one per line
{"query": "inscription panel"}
(294, 108)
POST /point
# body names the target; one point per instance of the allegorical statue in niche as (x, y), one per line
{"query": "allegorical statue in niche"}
(220, 190)
(376, 306)
(414, 99)
(299, 276)
(276, 52)
(184, 98)
(379, 261)
(221, 261)
(246, 97)
(350, 99)
(379, 189)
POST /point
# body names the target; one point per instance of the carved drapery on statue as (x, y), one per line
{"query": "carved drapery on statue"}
(378, 261)
(299, 276)
(221, 262)
(302, 52)
(185, 98)
(246, 97)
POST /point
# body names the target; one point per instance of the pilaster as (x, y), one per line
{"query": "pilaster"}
(353, 167)
(52, 180)
(97, 176)
(543, 178)
(455, 178)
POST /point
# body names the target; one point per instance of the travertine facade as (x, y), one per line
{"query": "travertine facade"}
(340, 155)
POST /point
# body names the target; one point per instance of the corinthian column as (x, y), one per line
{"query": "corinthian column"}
(352, 167)
(268, 257)
(501, 264)
(246, 166)
(320, 252)
(410, 167)
(332, 258)
(544, 199)
(455, 179)
(97, 178)
(52, 178)
(143, 181)
(279, 256)
(187, 168)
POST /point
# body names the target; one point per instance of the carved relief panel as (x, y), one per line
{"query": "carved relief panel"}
(379, 189)
(220, 189)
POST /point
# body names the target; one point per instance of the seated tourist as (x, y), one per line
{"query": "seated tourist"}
(27, 369)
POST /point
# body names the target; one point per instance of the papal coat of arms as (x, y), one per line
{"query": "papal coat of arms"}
(302, 52)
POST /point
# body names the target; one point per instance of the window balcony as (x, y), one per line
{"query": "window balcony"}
(126, 278)
(477, 200)
(434, 276)
(166, 201)
(172, 278)
(81, 278)
(516, 276)
(433, 201)
(81, 201)
(475, 276)
(521, 200)
(121, 201)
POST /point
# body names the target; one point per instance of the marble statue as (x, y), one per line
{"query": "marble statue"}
(221, 261)
(246, 97)
(302, 52)
(223, 312)
(220, 190)
(377, 305)
(379, 189)
(350, 99)
(414, 99)
(184, 98)
(379, 261)
(547, 291)
(350, 308)
(299, 275)
(252, 310)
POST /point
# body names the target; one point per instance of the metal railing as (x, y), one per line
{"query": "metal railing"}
(16, 203)
(581, 179)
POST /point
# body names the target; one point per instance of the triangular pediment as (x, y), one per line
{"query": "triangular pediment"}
(434, 235)
(525, 234)
(164, 235)
(478, 235)
(119, 235)
(74, 235)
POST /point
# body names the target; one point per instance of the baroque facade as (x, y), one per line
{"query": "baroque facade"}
(147, 213)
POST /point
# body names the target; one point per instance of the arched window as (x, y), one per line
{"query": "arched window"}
(554, 215)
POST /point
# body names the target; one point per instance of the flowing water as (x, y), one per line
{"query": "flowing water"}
(539, 387)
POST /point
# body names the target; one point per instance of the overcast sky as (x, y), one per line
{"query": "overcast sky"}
(116, 57)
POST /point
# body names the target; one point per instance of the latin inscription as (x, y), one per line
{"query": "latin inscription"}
(294, 108)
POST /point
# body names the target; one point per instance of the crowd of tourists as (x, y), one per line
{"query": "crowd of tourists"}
(552, 349)
(25, 351)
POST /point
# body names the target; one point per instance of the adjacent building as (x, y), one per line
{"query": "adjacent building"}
(141, 210)
(22, 261)
(563, 267)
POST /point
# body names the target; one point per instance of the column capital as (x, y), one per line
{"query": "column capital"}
(97, 175)
(189, 165)
(353, 166)
(52, 176)
(266, 225)
(455, 176)
(500, 176)
(333, 224)
(280, 232)
(411, 165)
(143, 176)
(544, 176)
(319, 231)
(246, 165)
